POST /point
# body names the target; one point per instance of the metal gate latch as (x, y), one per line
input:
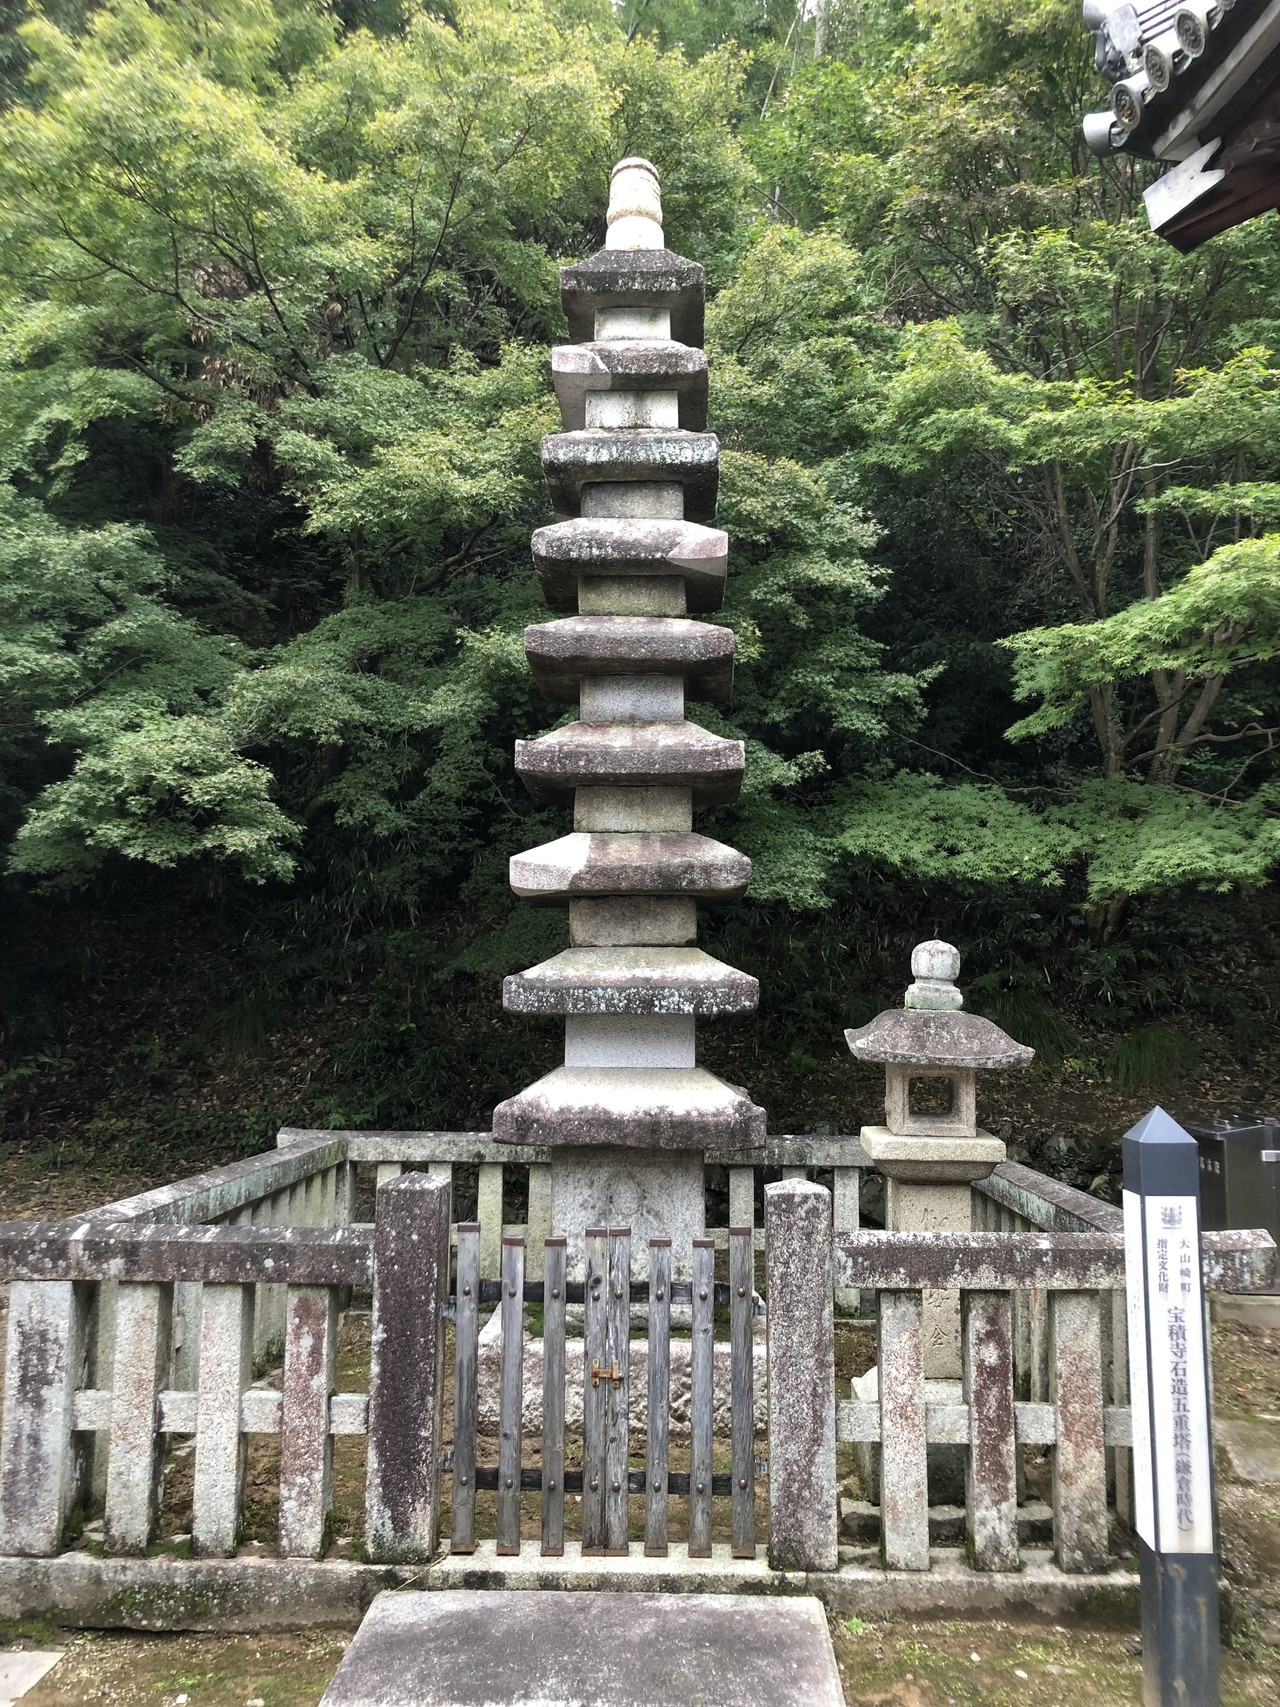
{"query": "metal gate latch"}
(613, 1374)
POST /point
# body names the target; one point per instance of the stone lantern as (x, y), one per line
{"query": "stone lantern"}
(931, 1155)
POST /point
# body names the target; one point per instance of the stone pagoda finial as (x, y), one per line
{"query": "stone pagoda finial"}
(635, 206)
(630, 1115)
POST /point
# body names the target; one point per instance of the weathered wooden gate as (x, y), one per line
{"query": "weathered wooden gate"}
(605, 1478)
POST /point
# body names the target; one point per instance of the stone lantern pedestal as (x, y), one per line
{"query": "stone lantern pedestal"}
(931, 1150)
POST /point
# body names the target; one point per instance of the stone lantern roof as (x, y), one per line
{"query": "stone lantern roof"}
(903, 1036)
(930, 1030)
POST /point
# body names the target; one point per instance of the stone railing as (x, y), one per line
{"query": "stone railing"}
(134, 1328)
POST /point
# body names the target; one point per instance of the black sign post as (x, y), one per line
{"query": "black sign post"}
(1169, 1387)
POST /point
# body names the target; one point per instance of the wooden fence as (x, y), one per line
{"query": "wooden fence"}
(604, 1480)
(97, 1389)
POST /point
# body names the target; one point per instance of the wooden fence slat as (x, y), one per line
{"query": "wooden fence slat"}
(594, 1395)
(406, 1369)
(657, 1423)
(511, 1392)
(904, 1488)
(991, 1482)
(226, 1369)
(701, 1399)
(742, 1380)
(39, 1466)
(306, 1446)
(1079, 1456)
(1122, 1456)
(618, 1350)
(139, 1370)
(554, 1275)
(466, 1344)
(489, 1215)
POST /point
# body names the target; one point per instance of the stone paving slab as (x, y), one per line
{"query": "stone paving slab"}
(483, 1649)
(21, 1672)
(1255, 1310)
(1252, 1448)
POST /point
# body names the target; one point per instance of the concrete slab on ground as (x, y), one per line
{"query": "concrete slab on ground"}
(438, 1649)
(1252, 1448)
(20, 1672)
(1255, 1309)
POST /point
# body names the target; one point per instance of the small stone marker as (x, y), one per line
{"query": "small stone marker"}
(21, 1672)
(1172, 1454)
(484, 1647)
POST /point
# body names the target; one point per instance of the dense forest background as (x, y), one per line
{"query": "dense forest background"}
(277, 281)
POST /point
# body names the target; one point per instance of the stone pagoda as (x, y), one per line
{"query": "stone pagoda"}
(630, 1116)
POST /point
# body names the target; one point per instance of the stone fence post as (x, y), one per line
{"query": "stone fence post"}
(802, 1377)
(406, 1375)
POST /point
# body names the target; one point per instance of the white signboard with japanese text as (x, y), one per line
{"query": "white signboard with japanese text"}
(1171, 1449)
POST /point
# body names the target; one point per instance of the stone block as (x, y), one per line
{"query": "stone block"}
(933, 1161)
(442, 1649)
(631, 1041)
(581, 371)
(632, 755)
(632, 920)
(631, 980)
(631, 698)
(657, 1196)
(631, 548)
(627, 409)
(584, 864)
(567, 653)
(664, 1109)
(633, 500)
(631, 595)
(1252, 1449)
(572, 461)
(632, 811)
(613, 278)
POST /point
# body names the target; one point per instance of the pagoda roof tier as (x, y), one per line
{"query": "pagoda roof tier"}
(618, 278)
(916, 1037)
(657, 754)
(631, 981)
(571, 461)
(587, 863)
(630, 365)
(618, 545)
(562, 653)
(656, 1108)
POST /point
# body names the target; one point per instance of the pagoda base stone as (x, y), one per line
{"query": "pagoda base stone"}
(658, 1108)
(657, 1196)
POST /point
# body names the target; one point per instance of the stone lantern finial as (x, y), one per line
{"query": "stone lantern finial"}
(934, 966)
